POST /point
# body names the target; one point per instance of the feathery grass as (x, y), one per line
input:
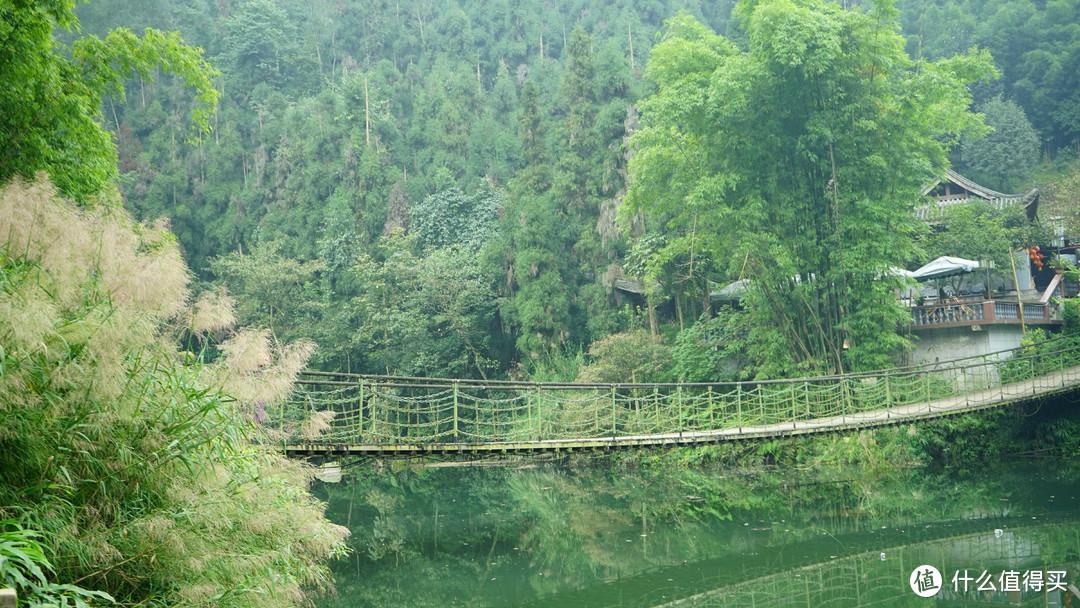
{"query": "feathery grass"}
(145, 474)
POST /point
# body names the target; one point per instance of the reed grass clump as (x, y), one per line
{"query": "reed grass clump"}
(145, 474)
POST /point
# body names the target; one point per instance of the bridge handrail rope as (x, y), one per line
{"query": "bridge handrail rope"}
(387, 410)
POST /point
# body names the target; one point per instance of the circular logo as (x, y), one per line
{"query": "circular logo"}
(925, 581)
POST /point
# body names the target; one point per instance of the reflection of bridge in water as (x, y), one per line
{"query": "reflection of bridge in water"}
(405, 416)
(857, 578)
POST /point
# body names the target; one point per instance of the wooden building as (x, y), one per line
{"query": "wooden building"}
(956, 189)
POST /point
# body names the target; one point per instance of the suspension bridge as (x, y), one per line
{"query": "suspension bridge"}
(333, 414)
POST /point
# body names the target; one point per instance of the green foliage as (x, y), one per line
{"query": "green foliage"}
(451, 218)
(1028, 364)
(1070, 315)
(143, 470)
(423, 316)
(264, 44)
(558, 366)
(977, 230)
(631, 356)
(51, 114)
(1004, 158)
(272, 289)
(1035, 46)
(339, 117)
(714, 349)
(1058, 198)
(964, 443)
(788, 161)
(24, 567)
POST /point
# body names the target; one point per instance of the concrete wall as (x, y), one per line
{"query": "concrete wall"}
(959, 342)
(946, 344)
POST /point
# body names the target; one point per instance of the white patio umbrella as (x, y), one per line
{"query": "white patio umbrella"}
(945, 266)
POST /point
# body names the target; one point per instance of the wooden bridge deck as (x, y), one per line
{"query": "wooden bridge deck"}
(1057, 382)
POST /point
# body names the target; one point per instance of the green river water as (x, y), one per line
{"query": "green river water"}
(568, 537)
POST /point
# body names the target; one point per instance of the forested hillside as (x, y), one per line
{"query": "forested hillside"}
(433, 188)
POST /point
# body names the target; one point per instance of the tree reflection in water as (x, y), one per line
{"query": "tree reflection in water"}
(603, 537)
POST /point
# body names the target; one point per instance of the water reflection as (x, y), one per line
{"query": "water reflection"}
(554, 537)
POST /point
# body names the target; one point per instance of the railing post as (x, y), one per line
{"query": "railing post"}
(374, 391)
(532, 415)
(8, 598)
(397, 421)
(926, 384)
(656, 402)
(712, 421)
(793, 425)
(888, 399)
(455, 411)
(1031, 366)
(1000, 381)
(613, 411)
(678, 406)
(843, 400)
(596, 417)
(806, 394)
(534, 396)
(967, 393)
(360, 420)
(738, 405)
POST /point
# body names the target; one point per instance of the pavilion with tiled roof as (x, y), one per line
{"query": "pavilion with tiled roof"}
(956, 189)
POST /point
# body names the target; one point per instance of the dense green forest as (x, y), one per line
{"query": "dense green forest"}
(495, 136)
(476, 189)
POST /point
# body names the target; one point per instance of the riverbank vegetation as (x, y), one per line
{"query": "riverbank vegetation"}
(142, 467)
(134, 468)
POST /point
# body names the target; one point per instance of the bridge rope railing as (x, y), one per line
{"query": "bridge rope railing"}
(371, 409)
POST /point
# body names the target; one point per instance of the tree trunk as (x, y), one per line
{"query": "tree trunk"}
(678, 310)
(654, 327)
(706, 300)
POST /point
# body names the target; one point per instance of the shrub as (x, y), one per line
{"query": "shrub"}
(145, 478)
(630, 356)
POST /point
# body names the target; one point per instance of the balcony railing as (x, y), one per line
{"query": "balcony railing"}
(959, 314)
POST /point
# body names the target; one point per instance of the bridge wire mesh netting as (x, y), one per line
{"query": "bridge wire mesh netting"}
(397, 409)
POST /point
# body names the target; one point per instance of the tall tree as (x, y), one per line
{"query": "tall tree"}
(1005, 157)
(50, 106)
(799, 161)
